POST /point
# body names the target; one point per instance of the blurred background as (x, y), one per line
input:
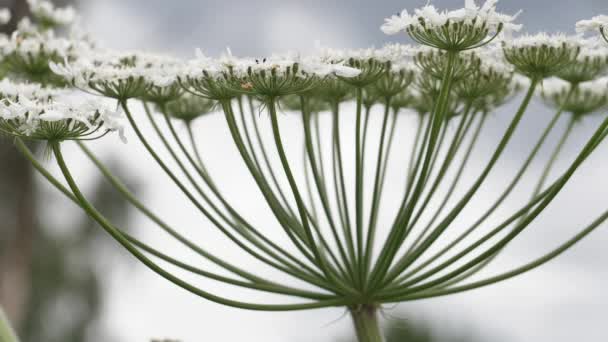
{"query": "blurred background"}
(63, 280)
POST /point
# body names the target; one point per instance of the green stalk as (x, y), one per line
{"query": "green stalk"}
(393, 240)
(404, 263)
(391, 138)
(309, 188)
(359, 171)
(288, 267)
(541, 182)
(228, 207)
(496, 203)
(6, 332)
(411, 161)
(322, 191)
(543, 178)
(294, 235)
(371, 231)
(254, 156)
(365, 319)
(115, 233)
(459, 173)
(321, 262)
(128, 195)
(318, 174)
(195, 148)
(256, 282)
(548, 196)
(515, 272)
(451, 153)
(340, 187)
(554, 155)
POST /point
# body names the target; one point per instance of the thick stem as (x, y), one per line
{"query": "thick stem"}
(6, 332)
(365, 319)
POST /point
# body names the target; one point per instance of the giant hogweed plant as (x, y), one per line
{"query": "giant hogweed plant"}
(465, 65)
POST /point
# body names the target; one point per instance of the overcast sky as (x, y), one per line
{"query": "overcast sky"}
(560, 302)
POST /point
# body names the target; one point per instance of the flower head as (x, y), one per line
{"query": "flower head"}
(485, 84)
(542, 55)
(119, 75)
(591, 63)
(586, 98)
(49, 16)
(455, 30)
(595, 24)
(32, 113)
(270, 77)
(189, 107)
(433, 63)
(29, 54)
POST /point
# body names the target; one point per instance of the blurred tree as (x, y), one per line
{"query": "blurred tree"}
(49, 283)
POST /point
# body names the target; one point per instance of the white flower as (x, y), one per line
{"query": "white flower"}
(5, 16)
(395, 52)
(397, 23)
(71, 117)
(9, 89)
(345, 71)
(542, 39)
(52, 115)
(553, 86)
(594, 24)
(429, 17)
(492, 58)
(110, 66)
(46, 11)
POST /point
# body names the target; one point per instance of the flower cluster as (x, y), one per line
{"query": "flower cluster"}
(541, 55)
(49, 16)
(582, 99)
(595, 24)
(456, 30)
(32, 112)
(117, 74)
(29, 55)
(466, 65)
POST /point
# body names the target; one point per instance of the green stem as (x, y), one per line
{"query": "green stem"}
(496, 203)
(340, 188)
(255, 282)
(321, 261)
(547, 196)
(459, 173)
(6, 332)
(398, 230)
(92, 212)
(451, 153)
(412, 158)
(365, 319)
(515, 272)
(405, 262)
(371, 230)
(318, 175)
(295, 235)
(359, 171)
(554, 155)
(231, 210)
(262, 147)
(288, 267)
(195, 148)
